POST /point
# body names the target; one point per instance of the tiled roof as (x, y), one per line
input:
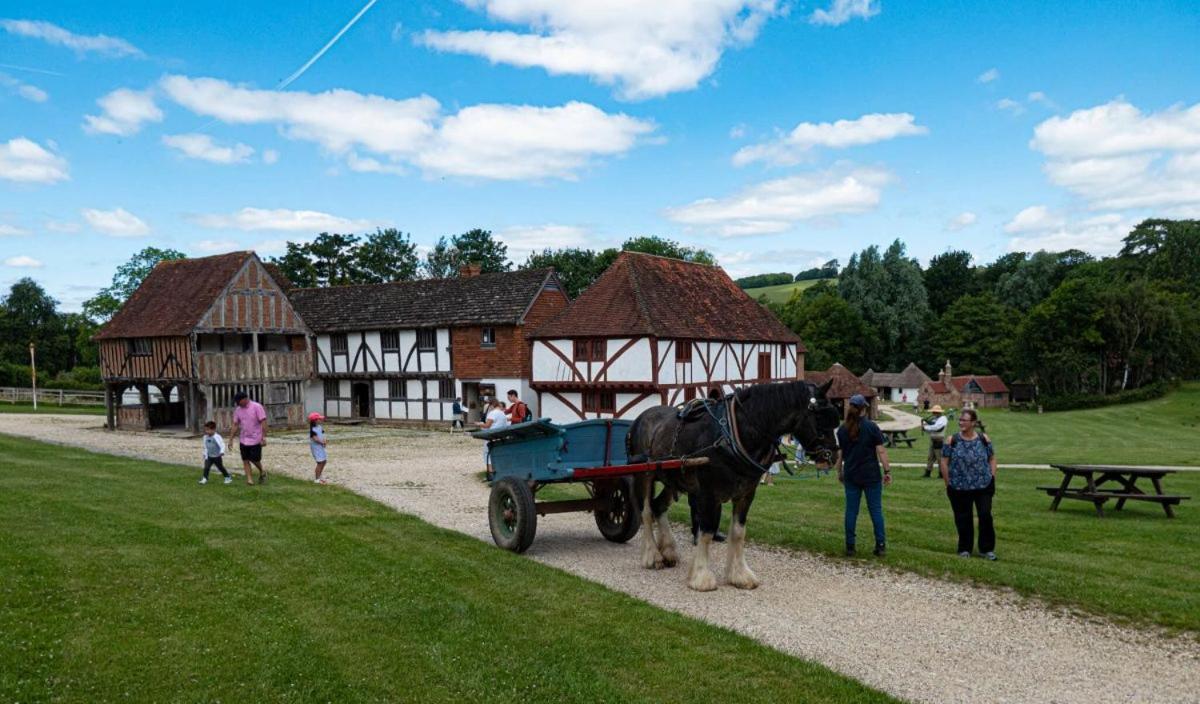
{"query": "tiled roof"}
(989, 384)
(486, 299)
(641, 294)
(174, 297)
(845, 384)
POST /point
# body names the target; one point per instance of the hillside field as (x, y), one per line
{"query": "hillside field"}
(782, 292)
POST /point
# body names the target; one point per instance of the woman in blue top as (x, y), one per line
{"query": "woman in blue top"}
(858, 470)
(317, 443)
(969, 470)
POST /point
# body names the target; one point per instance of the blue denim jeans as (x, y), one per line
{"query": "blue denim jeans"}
(874, 493)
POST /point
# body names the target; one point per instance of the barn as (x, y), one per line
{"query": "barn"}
(403, 351)
(199, 331)
(845, 385)
(652, 331)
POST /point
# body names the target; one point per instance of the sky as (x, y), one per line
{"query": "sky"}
(775, 134)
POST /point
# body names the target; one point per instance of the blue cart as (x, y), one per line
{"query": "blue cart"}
(528, 456)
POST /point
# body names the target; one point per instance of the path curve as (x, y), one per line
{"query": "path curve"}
(920, 639)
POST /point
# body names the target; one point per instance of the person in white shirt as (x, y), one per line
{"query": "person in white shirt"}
(936, 427)
(495, 418)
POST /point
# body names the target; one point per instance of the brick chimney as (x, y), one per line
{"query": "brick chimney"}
(945, 375)
(466, 271)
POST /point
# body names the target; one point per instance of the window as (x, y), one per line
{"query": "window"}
(590, 350)
(488, 337)
(599, 402)
(764, 365)
(683, 351)
(427, 339)
(338, 343)
(446, 388)
(332, 389)
(389, 340)
(689, 393)
(139, 347)
(397, 389)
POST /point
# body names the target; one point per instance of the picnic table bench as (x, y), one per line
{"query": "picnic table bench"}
(894, 437)
(1094, 476)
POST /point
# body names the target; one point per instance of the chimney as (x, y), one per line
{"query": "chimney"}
(945, 375)
(466, 271)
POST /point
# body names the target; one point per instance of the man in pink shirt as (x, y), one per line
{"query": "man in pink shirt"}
(250, 427)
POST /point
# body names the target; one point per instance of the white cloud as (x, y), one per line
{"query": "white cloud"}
(1101, 235)
(1010, 105)
(281, 219)
(124, 113)
(214, 246)
(989, 75)
(961, 221)
(1033, 219)
(117, 223)
(842, 11)
(1116, 157)
(26, 161)
(523, 240)
(203, 147)
(7, 230)
(62, 226)
(775, 206)
(23, 262)
(53, 34)
(29, 92)
(270, 156)
(645, 49)
(379, 134)
(1040, 98)
(795, 145)
(271, 247)
(744, 262)
(738, 131)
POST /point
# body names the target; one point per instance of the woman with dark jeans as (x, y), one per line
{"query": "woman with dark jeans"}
(858, 471)
(969, 470)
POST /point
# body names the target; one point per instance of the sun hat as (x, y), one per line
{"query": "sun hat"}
(936, 409)
(858, 400)
(314, 417)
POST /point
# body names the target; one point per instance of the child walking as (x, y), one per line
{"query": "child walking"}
(317, 443)
(214, 450)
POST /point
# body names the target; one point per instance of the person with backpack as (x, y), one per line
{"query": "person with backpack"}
(968, 467)
(518, 411)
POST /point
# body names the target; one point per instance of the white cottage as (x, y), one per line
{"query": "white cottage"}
(404, 351)
(653, 331)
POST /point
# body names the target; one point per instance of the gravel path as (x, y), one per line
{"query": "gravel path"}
(919, 639)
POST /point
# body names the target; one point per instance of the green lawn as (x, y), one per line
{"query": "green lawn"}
(51, 408)
(1161, 432)
(126, 580)
(782, 292)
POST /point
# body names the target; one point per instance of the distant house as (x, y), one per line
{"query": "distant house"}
(653, 331)
(897, 387)
(845, 385)
(954, 391)
(199, 331)
(404, 351)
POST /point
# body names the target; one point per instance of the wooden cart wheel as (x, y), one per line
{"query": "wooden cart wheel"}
(619, 520)
(512, 515)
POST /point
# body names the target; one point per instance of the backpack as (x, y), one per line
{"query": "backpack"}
(987, 443)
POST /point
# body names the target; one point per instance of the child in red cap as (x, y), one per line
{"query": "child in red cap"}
(316, 443)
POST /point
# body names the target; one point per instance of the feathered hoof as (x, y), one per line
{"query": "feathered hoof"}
(702, 581)
(744, 580)
(670, 557)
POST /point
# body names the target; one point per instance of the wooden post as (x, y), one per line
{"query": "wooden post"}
(189, 408)
(144, 398)
(109, 408)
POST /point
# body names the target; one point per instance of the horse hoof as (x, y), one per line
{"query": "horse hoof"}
(670, 558)
(703, 581)
(745, 581)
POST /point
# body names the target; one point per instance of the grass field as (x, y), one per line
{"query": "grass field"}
(51, 408)
(782, 292)
(125, 580)
(1165, 431)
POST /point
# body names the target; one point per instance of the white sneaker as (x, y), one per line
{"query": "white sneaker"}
(319, 481)
(964, 553)
(228, 480)
(203, 480)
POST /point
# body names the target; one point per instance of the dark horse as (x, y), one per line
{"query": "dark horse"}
(736, 457)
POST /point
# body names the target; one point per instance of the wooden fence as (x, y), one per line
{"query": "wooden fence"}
(52, 397)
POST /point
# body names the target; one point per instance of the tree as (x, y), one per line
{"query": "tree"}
(1135, 316)
(889, 293)
(442, 261)
(105, 304)
(832, 330)
(297, 265)
(663, 247)
(30, 315)
(334, 259)
(1166, 250)
(948, 277)
(828, 270)
(576, 268)
(388, 255)
(1033, 278)
(481, 247)
(977, 332)
(1059, 342)
(761, 280)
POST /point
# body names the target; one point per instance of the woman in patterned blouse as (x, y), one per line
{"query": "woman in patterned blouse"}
(969, 470)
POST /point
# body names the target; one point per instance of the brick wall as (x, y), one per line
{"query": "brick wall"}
(511, 357)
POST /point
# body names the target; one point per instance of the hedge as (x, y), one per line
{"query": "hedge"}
(1079, 401)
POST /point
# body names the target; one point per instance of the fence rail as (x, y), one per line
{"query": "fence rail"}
(53, 397)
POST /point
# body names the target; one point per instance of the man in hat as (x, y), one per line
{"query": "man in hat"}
(936, 427)
(250, 427)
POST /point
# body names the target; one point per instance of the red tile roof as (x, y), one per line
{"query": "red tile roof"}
(938, 387)
(641, 294)
(989, 384)
(845, 384)
(174, 297)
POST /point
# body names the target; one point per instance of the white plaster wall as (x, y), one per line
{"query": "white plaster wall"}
(548, 366)
(556, 411)
(633, 365)
(314, 397)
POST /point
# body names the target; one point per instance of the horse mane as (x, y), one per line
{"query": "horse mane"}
(773, 401)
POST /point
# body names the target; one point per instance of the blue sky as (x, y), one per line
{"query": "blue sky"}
(775, 134)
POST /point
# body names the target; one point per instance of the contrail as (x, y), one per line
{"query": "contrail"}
(32, 70)
(300, 71)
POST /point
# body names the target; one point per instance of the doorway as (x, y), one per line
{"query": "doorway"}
(360, 400)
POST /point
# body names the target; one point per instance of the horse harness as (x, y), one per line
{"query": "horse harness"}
(723, 413)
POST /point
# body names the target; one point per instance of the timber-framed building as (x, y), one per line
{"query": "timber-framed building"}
(199, 331)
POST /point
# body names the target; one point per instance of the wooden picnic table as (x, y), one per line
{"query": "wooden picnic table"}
(893, 437)
(1095, 476)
